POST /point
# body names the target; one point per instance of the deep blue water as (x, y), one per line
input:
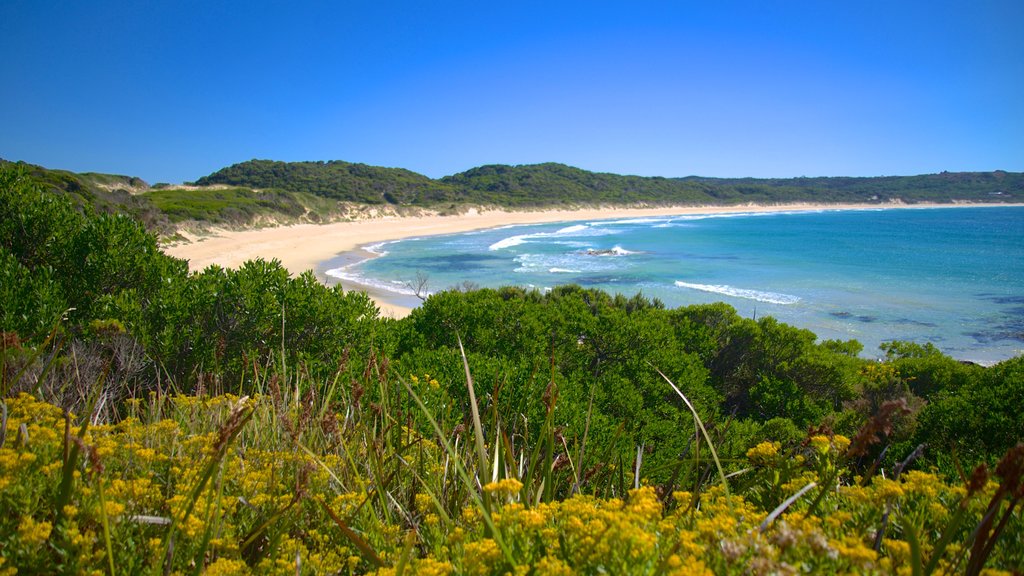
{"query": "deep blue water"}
(950, 276)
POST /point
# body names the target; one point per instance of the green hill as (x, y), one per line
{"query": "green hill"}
(551, 184)
(337, 180)
(266, 191)
(163, 208)
(102, 193)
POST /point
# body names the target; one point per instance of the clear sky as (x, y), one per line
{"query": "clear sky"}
(173, 90)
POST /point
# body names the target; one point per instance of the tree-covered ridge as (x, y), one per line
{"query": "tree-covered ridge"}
(557, 183)
(551, 184)
(337, 180)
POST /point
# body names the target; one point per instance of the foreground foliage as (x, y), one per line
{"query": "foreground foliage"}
(269, 485)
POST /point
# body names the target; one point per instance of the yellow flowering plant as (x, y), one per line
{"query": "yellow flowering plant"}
(254, 494)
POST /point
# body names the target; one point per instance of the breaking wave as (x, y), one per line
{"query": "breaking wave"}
(567, 232)
(345, 273)
(769, 297)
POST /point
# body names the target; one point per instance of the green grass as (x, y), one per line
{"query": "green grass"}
(228, 205)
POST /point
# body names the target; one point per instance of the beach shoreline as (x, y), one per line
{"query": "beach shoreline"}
(305, 247)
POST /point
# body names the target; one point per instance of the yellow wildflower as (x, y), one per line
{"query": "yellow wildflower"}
(226, 567)
(431, 567)
(424, 503)
(33, 533)
(841, 443)
(480, 556)
(821, 443)
(505, 487)
(553, 567)
(885, 488)
(897, 549)
(763, 453)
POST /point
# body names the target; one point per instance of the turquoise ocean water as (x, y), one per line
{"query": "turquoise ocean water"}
(950, 276)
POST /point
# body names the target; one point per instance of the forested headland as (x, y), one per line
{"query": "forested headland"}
(247, 421)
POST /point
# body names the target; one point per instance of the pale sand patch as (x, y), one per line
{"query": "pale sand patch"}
(301, 247)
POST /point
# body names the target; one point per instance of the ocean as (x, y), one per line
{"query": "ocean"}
(950, 276)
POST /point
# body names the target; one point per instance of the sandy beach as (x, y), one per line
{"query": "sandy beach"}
(302, 247)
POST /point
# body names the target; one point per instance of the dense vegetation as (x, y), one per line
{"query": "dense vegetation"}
(491, 431)
(556, 184)
(220, 205)
(162, 208)
(337, 180)
(102, 193)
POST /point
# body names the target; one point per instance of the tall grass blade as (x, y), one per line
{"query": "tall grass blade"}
(916, 564)
(636, 468)
(72, 449)
(478, 433)
(782, 507)
(242, 414)
(249, 547)
(586, 433)
(497, 455)
(3, 421)
(403, 560)
(356, 540)
(541, 459)
(208, 529)
(463, 474)
(572, 465)
(106, 524)
(947, 536)
(696, 417)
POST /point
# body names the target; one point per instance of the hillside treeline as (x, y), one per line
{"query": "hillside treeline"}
(551, 184)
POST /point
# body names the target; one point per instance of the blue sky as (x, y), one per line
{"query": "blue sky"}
(171, 91)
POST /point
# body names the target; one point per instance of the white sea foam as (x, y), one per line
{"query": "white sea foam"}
(685, 217)
(571, 229)
(565, 263)
(510, 242)
(769, 297)
(576, 230)
(378, 248)
(631, 221)
(393, 286)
